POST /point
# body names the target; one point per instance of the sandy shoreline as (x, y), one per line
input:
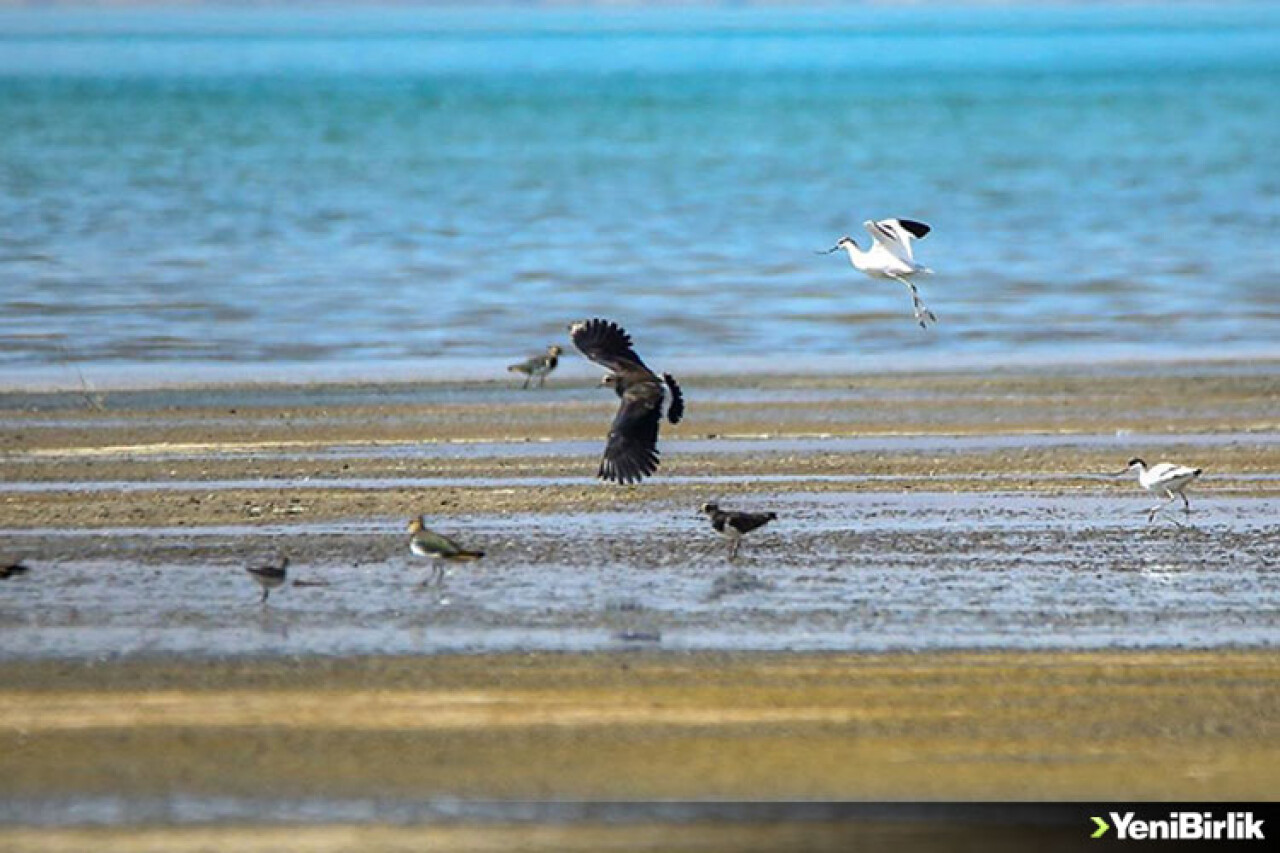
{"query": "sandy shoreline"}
(955, 726)
(921, 515)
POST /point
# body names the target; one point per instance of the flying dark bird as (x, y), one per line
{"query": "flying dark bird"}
(734, 525)
(270, 577)
(631, 452)
(890, 256)
(538, 367)
(441, 549)
(12, 570)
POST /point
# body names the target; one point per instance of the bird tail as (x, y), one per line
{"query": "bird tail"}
(515, 368)
(772, 516)
(468, 555)
(676, 410)
(1197, 472)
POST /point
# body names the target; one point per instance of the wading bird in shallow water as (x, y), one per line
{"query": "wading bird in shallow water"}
(1165, 477)
(890, 256)
(12, 570)
(538, 367)
(733, 525)
(441, 549)
(269, 577)
(631, 452)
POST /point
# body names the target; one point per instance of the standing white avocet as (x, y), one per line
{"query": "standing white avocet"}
(890, 256)
(1165, 477)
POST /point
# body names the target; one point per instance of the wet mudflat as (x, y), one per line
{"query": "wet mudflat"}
(955, 602)
(861, 571)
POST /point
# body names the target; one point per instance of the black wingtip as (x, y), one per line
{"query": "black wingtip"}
(676, 410)
(915, 228)
(598, 329)
(628, 472)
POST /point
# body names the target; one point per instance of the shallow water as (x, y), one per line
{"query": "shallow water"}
(356, 188)
(836, 572)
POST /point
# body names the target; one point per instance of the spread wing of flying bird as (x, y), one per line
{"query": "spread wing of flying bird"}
(895, 235)
(631, 451)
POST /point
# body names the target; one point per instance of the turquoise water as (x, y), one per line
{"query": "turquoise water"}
(362, 187)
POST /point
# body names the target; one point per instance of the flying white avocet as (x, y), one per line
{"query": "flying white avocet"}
(890, 256)
(1165, 477)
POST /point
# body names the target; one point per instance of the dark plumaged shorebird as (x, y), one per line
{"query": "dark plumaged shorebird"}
(538, 367)
(12, 570)
(1165, 477)
(631, 452)
(270, 577)
(733, 525)
(441, 549)
(890, 256)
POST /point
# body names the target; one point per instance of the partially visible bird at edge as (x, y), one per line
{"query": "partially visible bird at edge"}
(12, 570)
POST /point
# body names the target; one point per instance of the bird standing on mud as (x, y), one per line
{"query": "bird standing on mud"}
(441, 549)
(890, 256)
(1165, 477)
(631, 452)
(538, 367)
(733, 525)
(270, 577)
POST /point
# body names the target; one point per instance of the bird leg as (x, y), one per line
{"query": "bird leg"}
(437, 572)
(923, 315)
(1155, 509)
(734, 542)
(1186, 504)
(527, 377)
(265, 593)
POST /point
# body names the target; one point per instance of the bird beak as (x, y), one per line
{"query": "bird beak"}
(1119, 473)
(828, 251)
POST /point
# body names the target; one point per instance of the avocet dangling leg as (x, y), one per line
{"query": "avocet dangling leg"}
(890, 256)
(1167, 478)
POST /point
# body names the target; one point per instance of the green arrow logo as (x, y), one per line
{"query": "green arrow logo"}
(1102, 828)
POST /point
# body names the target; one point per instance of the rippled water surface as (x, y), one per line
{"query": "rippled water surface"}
(357, 187)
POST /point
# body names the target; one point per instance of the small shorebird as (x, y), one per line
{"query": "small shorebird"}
(1165, 477)
(890, 256)
(538, 367)
(733, 525)
(12, 570)
(270, 577)
(631, 451)
(426, 543)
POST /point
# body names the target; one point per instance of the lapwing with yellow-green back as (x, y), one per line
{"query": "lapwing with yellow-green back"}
(440, 549)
